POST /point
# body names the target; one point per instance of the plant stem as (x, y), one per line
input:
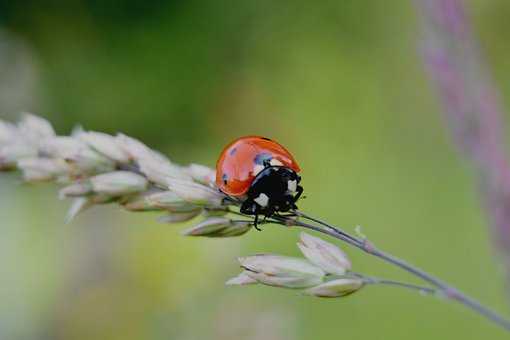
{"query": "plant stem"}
(376, 280)
(368, 247)
(421, 289)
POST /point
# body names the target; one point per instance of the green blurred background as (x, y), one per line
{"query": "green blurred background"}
(340, 83)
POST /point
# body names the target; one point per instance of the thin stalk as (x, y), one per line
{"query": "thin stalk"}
(334, 229)
(376, 280)
(420, 289)
(365, 245)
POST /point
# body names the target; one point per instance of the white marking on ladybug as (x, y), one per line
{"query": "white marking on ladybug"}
(292, 185)
(275, 162)
(262, 200)
(257, 169)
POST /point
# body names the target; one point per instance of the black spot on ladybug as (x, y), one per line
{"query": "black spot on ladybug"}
(224, 178)
(233, 151)
(268, 139)
(262, 158)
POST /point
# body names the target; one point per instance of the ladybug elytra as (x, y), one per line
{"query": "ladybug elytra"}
(261, 173)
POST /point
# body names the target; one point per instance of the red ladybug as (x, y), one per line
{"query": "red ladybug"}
(260, 172)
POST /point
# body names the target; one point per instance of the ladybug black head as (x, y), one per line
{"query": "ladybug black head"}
(274, 189)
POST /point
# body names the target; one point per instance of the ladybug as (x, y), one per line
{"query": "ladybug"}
(261, 173)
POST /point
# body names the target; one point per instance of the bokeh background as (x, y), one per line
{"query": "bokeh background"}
(340, 83)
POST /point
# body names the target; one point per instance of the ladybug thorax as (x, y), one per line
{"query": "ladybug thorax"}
(274, 189)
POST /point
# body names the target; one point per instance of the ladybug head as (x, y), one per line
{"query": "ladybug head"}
(274, 189)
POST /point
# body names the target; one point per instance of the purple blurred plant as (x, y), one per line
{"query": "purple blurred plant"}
(471, 106)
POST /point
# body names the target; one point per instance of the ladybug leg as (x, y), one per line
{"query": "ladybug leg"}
(248, 208)
(266, 216)
(255, 223)
(299, 191)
